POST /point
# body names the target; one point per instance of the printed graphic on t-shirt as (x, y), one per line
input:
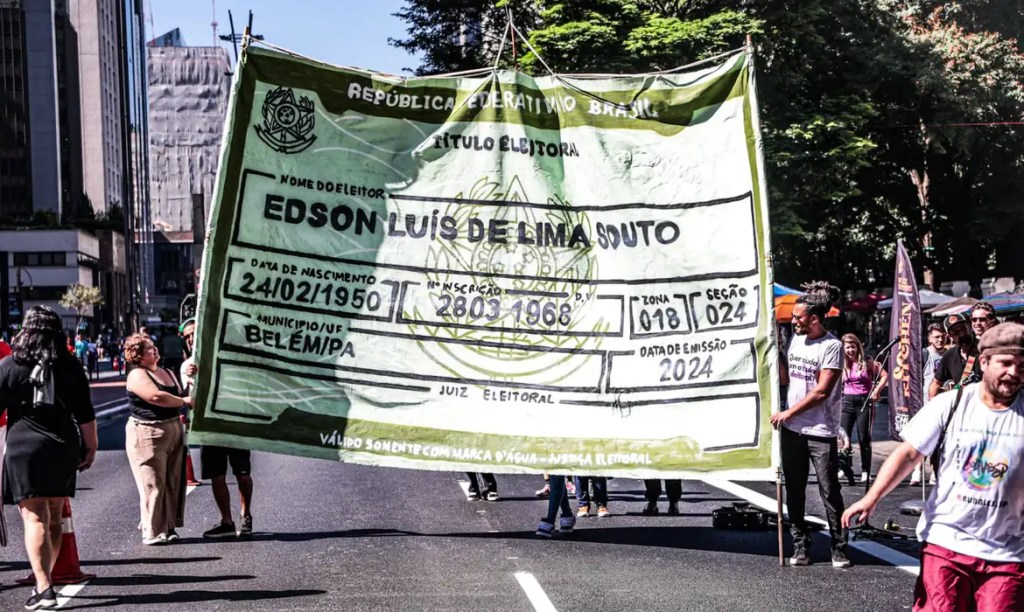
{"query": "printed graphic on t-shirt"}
(985, 466)
(802, 369)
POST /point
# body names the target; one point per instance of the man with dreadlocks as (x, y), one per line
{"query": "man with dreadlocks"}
(808, 428)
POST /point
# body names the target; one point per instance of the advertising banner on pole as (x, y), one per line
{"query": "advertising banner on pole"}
(498, 273)
(906, 378)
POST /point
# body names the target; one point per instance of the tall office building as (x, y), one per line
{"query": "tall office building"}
(40, 170)
(98, 24)
(188, 96)
(69, 115)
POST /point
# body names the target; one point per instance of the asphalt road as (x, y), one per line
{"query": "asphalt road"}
(333, 536)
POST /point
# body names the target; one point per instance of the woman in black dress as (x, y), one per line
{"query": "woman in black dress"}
(46, 395)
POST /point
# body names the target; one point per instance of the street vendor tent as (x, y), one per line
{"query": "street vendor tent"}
(785, 299)
(928, 299)
(960, 304)
(864, 304)
(781, 290)
(1004, 304)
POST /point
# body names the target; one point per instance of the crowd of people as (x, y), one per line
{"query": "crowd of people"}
(971, 433)
(51, 437)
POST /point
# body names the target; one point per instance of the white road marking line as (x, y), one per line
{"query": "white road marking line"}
(465, 487)
(113, 401)
(894, 557)
(534, 592)
(191, 488)
(65, 593)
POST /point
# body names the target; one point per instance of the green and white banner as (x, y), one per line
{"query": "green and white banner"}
(496, 273)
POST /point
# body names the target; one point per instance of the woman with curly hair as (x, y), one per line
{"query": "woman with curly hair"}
(154, 440)
(46, 395)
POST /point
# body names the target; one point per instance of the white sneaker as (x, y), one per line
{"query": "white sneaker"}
(863, 477)
(155, 540)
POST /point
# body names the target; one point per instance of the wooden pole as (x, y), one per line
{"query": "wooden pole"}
(778, 510)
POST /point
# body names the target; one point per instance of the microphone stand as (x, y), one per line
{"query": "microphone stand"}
(882, 355)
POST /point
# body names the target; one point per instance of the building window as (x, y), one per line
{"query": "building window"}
(41, 259)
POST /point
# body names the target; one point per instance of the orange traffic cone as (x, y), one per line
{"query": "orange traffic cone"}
(190, 475)
(67, 569)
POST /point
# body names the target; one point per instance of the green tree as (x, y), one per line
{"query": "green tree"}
(80, 298)
(456, 35)
(863, 105)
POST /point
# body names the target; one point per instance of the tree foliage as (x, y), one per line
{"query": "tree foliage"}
(882, 119)
(80, 298)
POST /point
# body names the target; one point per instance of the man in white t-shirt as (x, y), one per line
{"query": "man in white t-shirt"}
(973, 522)
(808, 428)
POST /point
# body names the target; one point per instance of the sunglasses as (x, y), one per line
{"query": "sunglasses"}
(982, 319)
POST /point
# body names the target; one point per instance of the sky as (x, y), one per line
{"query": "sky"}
(347, 32)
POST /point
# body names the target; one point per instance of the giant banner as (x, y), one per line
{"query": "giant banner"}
(494, 273)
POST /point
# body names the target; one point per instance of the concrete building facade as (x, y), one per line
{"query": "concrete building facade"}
(42, 263)
(40, 140)
(73, 131)
(98, 24)
(189, 89)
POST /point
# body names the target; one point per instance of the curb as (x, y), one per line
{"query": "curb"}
(113, 413)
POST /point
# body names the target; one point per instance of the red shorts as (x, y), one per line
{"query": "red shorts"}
(951, 582)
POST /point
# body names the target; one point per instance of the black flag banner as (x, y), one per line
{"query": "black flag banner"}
(906, 380)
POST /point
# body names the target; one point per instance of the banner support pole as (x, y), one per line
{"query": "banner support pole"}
(778, 512)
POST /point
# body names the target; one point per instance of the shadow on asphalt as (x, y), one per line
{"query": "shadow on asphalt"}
(149, 561)
(155, 579)
(184, 597)
(305, 536)
(762, 543)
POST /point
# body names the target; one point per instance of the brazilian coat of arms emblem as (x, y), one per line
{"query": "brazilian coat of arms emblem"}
(287, 123)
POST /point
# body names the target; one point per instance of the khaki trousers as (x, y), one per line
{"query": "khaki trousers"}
(156, 452)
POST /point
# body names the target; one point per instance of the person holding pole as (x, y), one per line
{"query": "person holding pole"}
(214, 461)
(154, 441)
(972, 526)
(808, 428)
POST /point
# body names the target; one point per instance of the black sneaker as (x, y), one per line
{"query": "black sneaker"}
(46, 599)
(650, 509)
(839, 559)
(222, 530)
(673, 509)
(800, 557)
(472, 496)
(245, 525)
(172, 536)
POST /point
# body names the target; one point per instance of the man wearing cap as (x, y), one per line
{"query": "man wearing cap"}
(973, 522)
(950, 372)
